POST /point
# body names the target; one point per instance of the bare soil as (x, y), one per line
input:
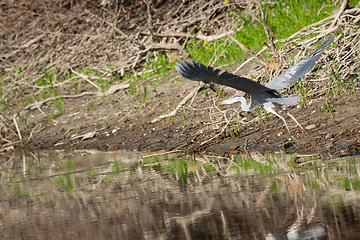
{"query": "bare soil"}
(119, 121)
(119, 126)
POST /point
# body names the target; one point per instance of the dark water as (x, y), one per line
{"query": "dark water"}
(63, 195)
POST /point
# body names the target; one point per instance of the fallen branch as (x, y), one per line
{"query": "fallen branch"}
(246, 50)
(149, 15)
(165, 46)
(341, 11)
(322, 21)
(269, 32)
(18, 130)
(162, 153)
(38, 104)
(116, 29)
(85, 78)
(111, 90)
(198, 36)
(250, 59)
(180, 105)
(326, 6)
(298, 33)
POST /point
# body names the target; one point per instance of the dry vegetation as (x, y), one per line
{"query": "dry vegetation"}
(39, 38)
(71, 34)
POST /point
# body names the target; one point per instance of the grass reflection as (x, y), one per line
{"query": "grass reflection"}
(65, 183)
(316, 172)
(259, 195)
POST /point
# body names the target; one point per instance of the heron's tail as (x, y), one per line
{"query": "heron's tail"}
(285, 100)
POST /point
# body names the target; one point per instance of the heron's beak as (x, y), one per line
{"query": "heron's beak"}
(220, 103)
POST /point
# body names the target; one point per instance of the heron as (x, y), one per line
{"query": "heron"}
(259, 94)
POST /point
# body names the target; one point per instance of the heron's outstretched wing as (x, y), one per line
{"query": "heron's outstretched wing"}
(285, 100)
(297, 71)
(199, 72)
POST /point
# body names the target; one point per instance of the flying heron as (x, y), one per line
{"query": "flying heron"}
(264, 95)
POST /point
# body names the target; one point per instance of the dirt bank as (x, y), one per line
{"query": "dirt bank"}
(80, 33)
(115, 127)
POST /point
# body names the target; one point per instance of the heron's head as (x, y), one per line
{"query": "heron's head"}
(231, 100)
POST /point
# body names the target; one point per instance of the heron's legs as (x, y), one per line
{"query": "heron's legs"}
(293, 118)
(270, 109)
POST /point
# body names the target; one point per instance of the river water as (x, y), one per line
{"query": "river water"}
(122, 195)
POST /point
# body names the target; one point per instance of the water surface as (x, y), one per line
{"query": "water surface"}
(89, 195)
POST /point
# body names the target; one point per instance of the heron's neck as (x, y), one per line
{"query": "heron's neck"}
(244, 105)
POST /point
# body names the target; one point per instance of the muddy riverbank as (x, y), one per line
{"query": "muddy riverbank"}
(67, 83)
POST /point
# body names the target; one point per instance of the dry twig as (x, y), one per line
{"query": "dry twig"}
(180, 105)
(254, 56)
(263, 21)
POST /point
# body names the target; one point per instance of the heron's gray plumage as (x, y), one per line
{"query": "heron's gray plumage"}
(294, 73)
(265, 95)
(284, 100)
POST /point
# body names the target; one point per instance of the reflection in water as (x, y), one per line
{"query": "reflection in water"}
(122, 196)
(317, 231)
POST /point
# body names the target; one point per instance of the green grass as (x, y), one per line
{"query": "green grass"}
(303, 88)
(234, 130)
(328, 108)
(155, 72)
(353, 3)
(90, 104)
(262, 115)
(285, 18)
